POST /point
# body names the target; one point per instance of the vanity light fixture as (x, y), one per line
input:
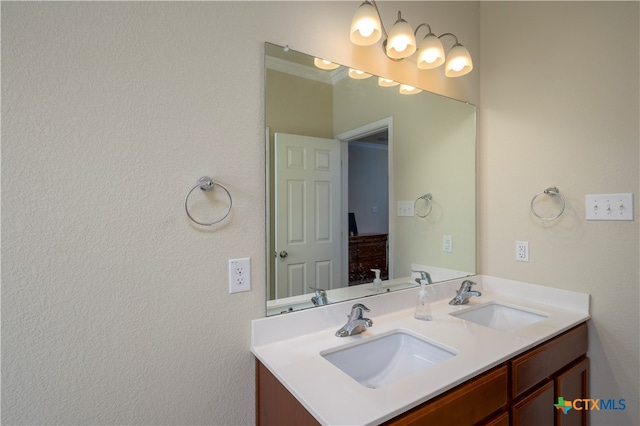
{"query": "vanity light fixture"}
(385, 82)
(324, 64)
(357, 74)
(400, 43)
(405, 89)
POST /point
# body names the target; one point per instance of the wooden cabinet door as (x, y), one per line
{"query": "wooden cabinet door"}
(573, 384)
(274, 403)
(542, 362)
(500, 420)
(535, 409)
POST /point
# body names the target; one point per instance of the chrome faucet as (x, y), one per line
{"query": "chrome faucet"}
(356, 323)
(424, 275)
(320, 298)
(464, 293)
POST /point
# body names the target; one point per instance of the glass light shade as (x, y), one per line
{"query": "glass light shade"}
(324, 65)
(458, 62)
(405, 89)
(430, 53)
(357, 74)
(401, 42)
(385, 82)
(365, 25)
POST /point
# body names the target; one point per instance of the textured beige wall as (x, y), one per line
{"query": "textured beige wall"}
(559, 107)
(115, 309)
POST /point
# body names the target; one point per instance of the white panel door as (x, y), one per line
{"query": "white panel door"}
(307, 214)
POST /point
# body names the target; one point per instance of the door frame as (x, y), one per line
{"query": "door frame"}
(345, 138)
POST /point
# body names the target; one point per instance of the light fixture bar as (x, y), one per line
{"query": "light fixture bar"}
(401, 42)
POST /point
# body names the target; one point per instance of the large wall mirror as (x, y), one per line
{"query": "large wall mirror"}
(361, 177)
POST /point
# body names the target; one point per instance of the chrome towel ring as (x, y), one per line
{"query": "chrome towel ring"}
(205, 183)
(427, 199)
(553, 192)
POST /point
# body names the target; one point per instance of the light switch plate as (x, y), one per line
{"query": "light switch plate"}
(405, 208)
(609, 206)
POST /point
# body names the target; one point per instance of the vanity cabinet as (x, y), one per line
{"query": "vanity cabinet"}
(555, 368)
(367, 252)
(519, 392)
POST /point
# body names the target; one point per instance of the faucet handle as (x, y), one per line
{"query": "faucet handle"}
(361, 306)
(357, 311)
(466, 286)
(320, 298)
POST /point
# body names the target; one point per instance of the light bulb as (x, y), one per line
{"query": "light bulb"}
(430, 56)
(385, 82)
(324, 64)
(366, 28)
(457, 64)
(357, 74)
(405, 89)
(400, 43)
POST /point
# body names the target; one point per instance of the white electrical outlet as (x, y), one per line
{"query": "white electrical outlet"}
(447, 243)
(522, 251)
(239, 275)
(405, 208)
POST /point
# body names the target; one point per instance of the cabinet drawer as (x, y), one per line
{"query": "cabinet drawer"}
(466, 404)
(541, 362)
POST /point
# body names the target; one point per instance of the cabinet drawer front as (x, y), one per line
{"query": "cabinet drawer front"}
(541, 362)
(467, 404)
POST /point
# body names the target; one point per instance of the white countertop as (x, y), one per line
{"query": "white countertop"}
(289, 345)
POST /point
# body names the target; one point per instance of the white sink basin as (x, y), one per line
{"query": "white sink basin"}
(500, 317)
(379, 361)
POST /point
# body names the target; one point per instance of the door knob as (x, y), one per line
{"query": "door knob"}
(283, 254)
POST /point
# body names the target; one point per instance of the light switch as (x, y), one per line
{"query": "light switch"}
(405, 208)
(609, 207)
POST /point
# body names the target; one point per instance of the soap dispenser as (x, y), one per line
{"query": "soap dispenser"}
(377, 282)
(423, 307)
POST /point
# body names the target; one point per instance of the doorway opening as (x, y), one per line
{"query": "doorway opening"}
(366, 202)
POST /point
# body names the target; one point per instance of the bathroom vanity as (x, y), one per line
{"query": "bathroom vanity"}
(509, 354)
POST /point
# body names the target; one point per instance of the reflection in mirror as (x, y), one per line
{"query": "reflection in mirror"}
(349, 166)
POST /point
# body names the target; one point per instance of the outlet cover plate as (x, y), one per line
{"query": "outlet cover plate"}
(239, 275)
(447, 243)
(522, 251)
